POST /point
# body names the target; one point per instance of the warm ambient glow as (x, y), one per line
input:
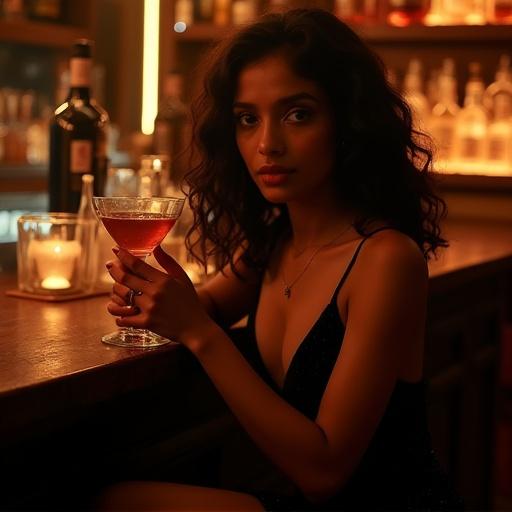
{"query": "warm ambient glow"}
(55, 261)
(150, 65)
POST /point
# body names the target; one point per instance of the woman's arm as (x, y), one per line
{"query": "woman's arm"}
(385, 312)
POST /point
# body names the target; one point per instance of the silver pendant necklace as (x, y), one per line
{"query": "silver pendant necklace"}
(288, 287)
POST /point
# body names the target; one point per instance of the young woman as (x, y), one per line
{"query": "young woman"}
(313, 193)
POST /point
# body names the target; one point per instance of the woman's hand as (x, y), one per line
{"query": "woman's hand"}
(165, 303)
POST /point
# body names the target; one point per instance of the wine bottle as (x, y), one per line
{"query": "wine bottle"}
(170, 125)
(77, 136)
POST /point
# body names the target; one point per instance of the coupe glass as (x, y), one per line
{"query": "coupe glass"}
(137, 224)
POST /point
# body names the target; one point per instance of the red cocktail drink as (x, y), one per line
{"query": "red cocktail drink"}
(138, 233)
(137, 224)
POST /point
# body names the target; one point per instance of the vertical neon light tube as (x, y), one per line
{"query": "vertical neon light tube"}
(150, 65)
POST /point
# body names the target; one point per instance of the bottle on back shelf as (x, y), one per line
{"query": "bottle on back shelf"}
(356, 11)
(502, 11)
(502, 86)
(469, 144)
(444, 112)
(78, 136)
(203, 11)
(153, 178)
(498, 100)
(406, 12)
(413, 94)
(170, 123)
(184, 11)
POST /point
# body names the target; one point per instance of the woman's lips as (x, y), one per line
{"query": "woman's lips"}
(274, 175)
(274, 179)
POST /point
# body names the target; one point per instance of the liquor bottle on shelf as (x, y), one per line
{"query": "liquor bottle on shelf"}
(502, 86)
(170, 122)
(444, 113)
(47, 10)
(356, 11)
(13, 10)
(15, 137)
(413, 93)
(222, 12)
(184, 11)
(26, 117)
(498, 100)
(406, 12)
(244, 11)
(468, 150)
(501, 11)
(432, 87)
(477, 14)
(435, 15)
(464, 12)
(78, 136)
(153, 176)
(203, 11)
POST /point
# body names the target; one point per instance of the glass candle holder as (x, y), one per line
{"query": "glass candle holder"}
(56, 254)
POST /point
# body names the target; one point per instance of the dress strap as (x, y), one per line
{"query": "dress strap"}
(353, 260)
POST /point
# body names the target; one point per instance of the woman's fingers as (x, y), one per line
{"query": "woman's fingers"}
(115, 309)
(171, 266)
(137, 266)
(166, 260)
(125, 280)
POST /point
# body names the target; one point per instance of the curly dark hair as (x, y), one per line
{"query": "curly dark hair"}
(382, 166)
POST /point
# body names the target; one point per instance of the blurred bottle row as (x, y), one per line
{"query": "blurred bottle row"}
(394, 12)
(402, 13)
(475, 137)
(44, 10)
(24, 124)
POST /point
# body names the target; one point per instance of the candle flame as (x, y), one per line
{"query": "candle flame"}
(55, 283)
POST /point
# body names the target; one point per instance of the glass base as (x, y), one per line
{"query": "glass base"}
(135, 338)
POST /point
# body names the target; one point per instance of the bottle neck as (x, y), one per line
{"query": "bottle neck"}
(85, 209)
(80, 78)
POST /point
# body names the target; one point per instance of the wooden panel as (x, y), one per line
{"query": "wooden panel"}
(40, 34)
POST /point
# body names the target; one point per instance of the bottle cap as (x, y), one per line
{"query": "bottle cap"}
(82, 49)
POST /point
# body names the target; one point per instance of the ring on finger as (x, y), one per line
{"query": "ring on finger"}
(131, 295)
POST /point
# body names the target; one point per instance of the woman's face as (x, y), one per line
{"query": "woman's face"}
(284, 131)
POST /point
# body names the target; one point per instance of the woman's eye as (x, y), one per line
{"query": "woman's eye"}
(298, 115)
(245, 119)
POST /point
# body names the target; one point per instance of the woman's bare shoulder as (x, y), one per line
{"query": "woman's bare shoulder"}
(395, 251)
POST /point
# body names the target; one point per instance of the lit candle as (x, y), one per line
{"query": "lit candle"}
(55, 261)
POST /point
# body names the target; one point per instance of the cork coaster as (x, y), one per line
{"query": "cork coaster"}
(55, 298)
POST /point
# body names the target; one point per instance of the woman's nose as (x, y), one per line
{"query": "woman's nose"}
(271, 140)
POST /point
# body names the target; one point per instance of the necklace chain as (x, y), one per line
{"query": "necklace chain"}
(288, 287)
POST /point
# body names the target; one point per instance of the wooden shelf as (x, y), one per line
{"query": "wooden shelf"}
(205, 32)
(51, 35)
(23, 178)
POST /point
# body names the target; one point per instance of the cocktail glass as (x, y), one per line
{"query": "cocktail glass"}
(137, 224)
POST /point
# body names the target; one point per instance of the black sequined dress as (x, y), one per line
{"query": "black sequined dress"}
(398, 471)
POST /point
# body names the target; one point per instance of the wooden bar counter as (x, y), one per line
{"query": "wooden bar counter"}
(76, 413)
